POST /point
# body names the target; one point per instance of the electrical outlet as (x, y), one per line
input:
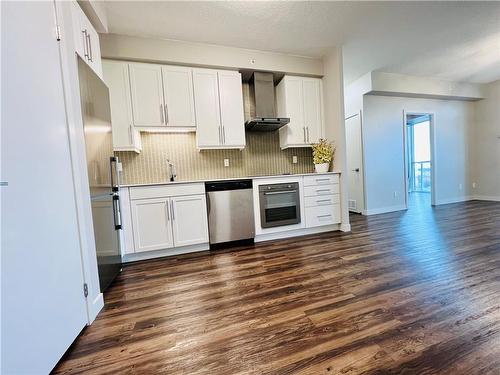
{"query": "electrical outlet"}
(473, 185)
(226, 162)
(460, 186)
(294, 159)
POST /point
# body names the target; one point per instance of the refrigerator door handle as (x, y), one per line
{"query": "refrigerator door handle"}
(117, 215)
(113, 173)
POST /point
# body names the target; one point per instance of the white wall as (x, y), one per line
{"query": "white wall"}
(123, 47)
(383, 149)
(334, 121)
(486, 167)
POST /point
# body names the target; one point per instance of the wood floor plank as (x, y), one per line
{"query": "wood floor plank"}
(410, 292)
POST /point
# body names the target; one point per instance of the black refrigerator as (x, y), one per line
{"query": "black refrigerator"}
(103, 173)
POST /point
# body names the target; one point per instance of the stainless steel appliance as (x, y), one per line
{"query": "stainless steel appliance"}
(230, 211)
(102, 172)
(279, 204)
(262, 95)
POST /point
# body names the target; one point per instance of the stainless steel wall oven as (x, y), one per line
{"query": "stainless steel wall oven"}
(279, 204)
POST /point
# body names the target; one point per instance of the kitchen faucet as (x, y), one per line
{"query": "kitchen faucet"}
(171, 171)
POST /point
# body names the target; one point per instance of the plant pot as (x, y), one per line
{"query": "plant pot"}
(321, 168)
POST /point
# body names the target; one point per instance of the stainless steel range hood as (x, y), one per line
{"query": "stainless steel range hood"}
(262, 94)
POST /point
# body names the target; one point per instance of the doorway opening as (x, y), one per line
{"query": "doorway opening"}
(419, 151)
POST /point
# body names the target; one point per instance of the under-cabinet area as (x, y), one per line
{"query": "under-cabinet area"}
(169, 219)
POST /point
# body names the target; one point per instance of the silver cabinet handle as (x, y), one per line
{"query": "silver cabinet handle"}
(223, 135)
(308, 140)
(85, 45)
(117, 216)
(328, 215)
(166, 114)
(90, 48)
(320, 190)
(168, 210)
(173, 211)
(304, 129)
(162, 119)
(323, 200)
(280, 192)
(130, 134)
(208, 204)
(220, 135)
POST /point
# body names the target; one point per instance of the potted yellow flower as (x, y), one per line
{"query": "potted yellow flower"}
(323, 152)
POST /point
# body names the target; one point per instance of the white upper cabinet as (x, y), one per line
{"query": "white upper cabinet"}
(86, 39)
(300, 99)
(178, 94)
(206, 99)
(147, 95)
(219, 109)
(231, 108)
(189, 220)
(116, 77)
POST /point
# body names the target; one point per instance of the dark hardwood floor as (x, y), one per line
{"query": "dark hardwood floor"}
(414, 292)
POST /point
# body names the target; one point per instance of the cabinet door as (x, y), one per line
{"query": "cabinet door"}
(231, 108)
(295, 130)
(147, 95)
(151, 223)
(178, 91)
(312, 109)
(189, 218)
(125, 137)
(206, 100)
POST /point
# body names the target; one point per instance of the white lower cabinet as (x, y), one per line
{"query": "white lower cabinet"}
(321, 200)
(189, 220)
(151, 224)
(161, 223)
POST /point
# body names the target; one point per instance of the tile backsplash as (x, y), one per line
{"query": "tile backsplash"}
(261, 156)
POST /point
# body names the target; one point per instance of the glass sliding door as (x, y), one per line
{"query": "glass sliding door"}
(419, 154)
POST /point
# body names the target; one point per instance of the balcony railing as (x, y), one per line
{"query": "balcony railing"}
(420, 176)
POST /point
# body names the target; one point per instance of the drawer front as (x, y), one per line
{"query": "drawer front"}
(145, 192)
(324, 179)
(322, 215)
(322, 200)
(312, 191)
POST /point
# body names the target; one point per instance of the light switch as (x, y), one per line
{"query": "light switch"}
(226, 162)
(294, 159)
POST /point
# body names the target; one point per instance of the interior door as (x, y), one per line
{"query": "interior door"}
(152, 224)
(178, 91)
(355, 163)
(206, 99)
(312, 109)
(189, 219)
(43, 305)
(231, 107)
(147, 95)
(295, 110)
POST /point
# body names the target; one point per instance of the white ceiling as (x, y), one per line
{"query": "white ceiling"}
(458, 41)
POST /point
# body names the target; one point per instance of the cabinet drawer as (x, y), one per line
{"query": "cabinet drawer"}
(322, 215)
(325, 179)
(145, 192)
(323, 200)
(312, 191)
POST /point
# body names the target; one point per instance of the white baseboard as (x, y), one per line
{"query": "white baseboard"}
(486, 198)
(296, 233)
(454, 200)
(345, 227)
(383, 210)
(165, 252)
(95, 307)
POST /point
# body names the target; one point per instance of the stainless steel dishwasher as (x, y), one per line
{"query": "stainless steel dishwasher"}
(230, 211)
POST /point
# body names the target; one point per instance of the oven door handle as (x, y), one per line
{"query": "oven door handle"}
(279, 192)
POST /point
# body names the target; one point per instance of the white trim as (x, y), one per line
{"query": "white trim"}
(165, 252)
(454, 200)
(345, 227)
(297, 232)
(486, 198)
(383, 210)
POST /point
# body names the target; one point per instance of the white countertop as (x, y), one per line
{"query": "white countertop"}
(230, 179)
